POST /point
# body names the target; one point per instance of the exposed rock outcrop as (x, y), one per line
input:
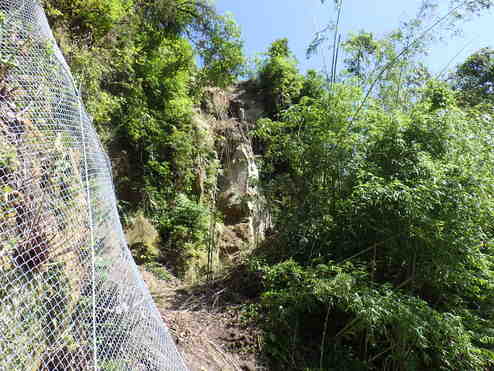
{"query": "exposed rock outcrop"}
(233, 113)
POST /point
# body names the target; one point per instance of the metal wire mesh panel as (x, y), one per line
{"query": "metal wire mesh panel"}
(71, 297)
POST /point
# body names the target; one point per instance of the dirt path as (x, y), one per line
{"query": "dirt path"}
(210, 336)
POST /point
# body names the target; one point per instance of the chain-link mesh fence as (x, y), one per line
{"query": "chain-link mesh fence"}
(71, 297)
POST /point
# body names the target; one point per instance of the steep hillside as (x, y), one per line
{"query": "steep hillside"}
(349, 212)
(136, 63)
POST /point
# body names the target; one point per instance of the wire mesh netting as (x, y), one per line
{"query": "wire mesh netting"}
(71, 297)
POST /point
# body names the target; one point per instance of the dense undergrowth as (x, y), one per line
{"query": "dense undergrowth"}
(379, 180)
(136, 62)
(388, 254)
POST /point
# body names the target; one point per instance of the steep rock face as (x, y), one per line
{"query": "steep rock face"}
(233, 113)
(226, 183)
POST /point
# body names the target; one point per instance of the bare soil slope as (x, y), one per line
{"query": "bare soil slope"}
(208, 332)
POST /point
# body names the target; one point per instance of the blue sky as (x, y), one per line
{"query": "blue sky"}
(263, 21)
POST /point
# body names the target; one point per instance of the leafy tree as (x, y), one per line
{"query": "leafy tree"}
(384, 235)
(89, 19)
(360, 48)
(279, 48)
(222, 53)
(474, 78)
(314, 85)
(382, 202)
(280, 81)
(390, 68)
(215, 38)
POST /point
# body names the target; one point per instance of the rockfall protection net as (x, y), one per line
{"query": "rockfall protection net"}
(71, 297)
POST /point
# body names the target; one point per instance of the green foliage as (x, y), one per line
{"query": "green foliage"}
(382, 253)
(417, 336)
(280, 81)
(389, 68)
(38, 308)
(438, 96)
(474, 78)
(385, 230)
(158, 270)
(184, 229)
(360, 48)
(94, 18)
(222, 54)
(314, 85)
(216, 39)
(279, 48)
(136, 61)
